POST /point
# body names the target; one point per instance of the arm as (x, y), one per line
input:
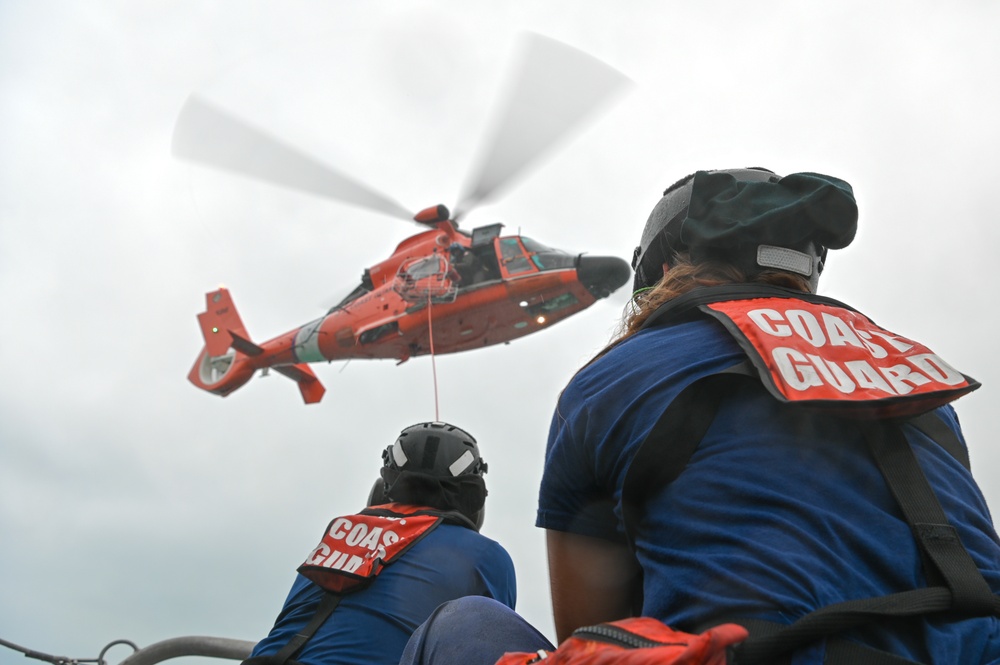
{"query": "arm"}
(592, 580)
(497, 571)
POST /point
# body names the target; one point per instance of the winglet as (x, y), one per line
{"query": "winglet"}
(243, 345)
(310, 387)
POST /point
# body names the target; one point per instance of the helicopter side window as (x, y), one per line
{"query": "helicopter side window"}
(513, 257)
(553, 304)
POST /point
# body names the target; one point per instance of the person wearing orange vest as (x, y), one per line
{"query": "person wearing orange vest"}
(378, 574)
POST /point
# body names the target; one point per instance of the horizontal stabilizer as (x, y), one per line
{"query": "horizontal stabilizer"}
(310, 387)
(243, 345)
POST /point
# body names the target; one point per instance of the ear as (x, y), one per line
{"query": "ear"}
(377, 497)
(666, 267)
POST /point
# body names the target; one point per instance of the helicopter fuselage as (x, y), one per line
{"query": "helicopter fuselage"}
(442, 291)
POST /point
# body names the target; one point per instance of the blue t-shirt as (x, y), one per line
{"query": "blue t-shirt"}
(778, 513)
(371, 626)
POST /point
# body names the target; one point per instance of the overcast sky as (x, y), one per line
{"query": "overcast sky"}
(133, 505)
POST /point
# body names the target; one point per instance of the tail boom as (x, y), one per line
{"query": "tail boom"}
(229, 359)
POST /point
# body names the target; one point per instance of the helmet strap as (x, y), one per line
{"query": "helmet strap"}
(784, 258)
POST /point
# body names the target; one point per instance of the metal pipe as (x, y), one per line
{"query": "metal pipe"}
(194, 645)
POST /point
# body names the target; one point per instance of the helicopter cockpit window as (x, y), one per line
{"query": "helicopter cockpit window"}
(534, 246)
(513, 256)
(546, 258)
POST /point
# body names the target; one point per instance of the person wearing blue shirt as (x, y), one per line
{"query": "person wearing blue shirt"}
(433, 471)
(749, 452)
(779, 507)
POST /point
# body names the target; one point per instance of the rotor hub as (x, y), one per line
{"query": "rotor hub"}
(433, 215)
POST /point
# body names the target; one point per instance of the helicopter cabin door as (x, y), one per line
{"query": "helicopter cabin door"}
(514, 259)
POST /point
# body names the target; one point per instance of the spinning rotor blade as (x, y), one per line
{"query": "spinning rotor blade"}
(554, 88)
(208, 135)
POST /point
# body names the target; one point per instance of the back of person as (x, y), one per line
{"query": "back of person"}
(777, 513)
(807, 482)
(372, 626)
(765, 470)
(377, 575)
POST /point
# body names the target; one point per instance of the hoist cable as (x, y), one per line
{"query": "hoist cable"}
(430, 333)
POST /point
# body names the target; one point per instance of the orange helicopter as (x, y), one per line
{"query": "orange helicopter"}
(443, 290)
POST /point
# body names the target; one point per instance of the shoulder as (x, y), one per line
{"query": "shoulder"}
(468, 551)
(947, 414)
(453, 535)
(495, 553)
(659, 356)
(458, 557)
(686, 342)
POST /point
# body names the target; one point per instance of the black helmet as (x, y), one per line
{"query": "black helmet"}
(434, 464)
(437, 449)
(751, 218)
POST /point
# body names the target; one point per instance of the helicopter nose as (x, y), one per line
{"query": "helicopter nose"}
(602, 275)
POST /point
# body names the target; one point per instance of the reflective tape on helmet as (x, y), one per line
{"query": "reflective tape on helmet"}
(459, 466)
(398, 456)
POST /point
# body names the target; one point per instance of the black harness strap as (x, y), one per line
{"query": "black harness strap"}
(957, 584)
(936, 429)
(837, 650)
(685, 306)
(323, 612)
(765, 645)
(668, 447)
(665, 451)
(971, 595)
(844, 651)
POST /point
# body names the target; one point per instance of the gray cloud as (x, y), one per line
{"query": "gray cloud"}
(135, 506)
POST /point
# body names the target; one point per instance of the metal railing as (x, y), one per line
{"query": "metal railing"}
(195, 645)
(177, 647)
